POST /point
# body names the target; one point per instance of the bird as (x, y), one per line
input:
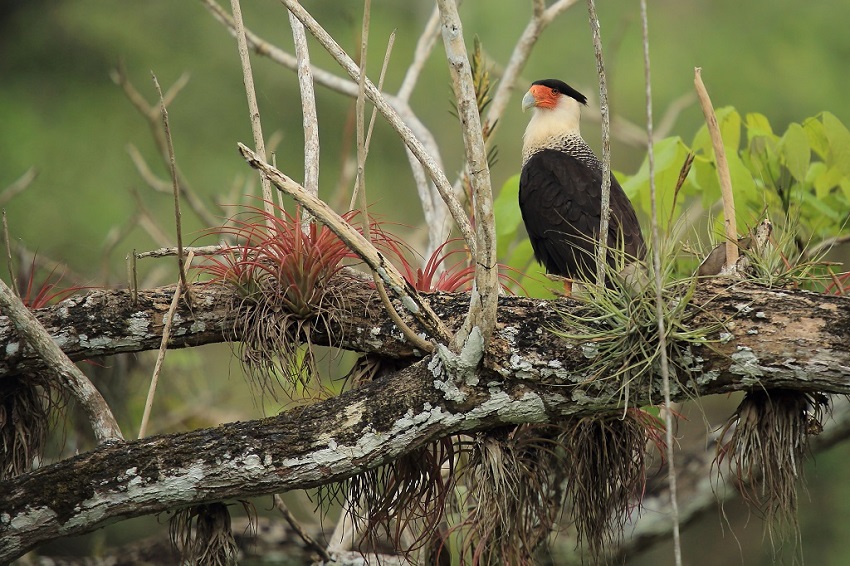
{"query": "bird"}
(560, 189)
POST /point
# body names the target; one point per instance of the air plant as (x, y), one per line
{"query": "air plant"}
(514, 494)
(768, 437)
(606, 475)
(29, 403)
(202, 533)
(280, 271)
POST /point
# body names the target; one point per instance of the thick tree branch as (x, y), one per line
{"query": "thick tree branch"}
(59, 367)
(774, 338)
(771, 339)
(482, 307)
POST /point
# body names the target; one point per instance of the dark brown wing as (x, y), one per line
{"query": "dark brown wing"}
(559, 197)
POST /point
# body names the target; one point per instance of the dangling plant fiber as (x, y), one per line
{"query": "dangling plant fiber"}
(606, 456)
(404, 502)
(203, 535)
(514, 494)
(25, 422)
(766, 450)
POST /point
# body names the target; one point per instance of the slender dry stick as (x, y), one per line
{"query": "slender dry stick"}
(360, 181)
(296, 526)
(60, 368)
(151, 113)
(372, 119)
(659, 300)
(416, 304)
(605, 212)
(433, 207)
(173, 168)
(722, 173)
(253, 108)
(160, 357)
(394, 119)
(167, 251)
(18, 186)
(11, 266)
(484, 298)
(310, 118)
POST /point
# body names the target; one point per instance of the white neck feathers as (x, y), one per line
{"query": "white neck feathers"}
(547, 125)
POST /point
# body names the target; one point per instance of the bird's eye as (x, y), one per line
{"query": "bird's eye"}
(555, 91)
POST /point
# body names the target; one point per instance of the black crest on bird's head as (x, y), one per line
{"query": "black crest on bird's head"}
(563, 88)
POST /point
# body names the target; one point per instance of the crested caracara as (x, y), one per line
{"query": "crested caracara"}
(560, 188)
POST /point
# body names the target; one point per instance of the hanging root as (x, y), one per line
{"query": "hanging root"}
(514, 494)
(404, 501)
(766, 451)
(606, 469)
(25, 422)
(202, 534)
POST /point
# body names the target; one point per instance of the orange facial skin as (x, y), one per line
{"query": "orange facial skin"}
(544, 96)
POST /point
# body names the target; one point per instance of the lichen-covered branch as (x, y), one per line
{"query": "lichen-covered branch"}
(770, 338)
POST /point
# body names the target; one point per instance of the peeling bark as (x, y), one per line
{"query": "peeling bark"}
(770, 338)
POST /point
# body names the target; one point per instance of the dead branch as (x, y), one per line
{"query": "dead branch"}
(722, 173)
(61, 369)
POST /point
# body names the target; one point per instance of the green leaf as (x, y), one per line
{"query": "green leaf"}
(743, 187)
(757, 125)
(705, 174)
(795, 151)
(508, 215)
(670, 155)
(839, 142)
(729, 122)
(825, 179)
(534, 282)
(817, 136)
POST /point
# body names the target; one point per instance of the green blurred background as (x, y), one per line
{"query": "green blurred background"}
(61, 113)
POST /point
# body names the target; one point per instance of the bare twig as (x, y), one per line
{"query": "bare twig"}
(416, 304)
(10, 265)
(173, 169)
(372, 118)
(308, 110)
(151, 113)
(63, 370)
(605, 213)
(482, 307)
(540, 20)
(253, 108)
(394, 119)
(18, 186)
(296, 526)
(160, 357)
(433, 207)
(360, 181)
(165, 252)
(722, 173)
(148, 176)
(659, 300)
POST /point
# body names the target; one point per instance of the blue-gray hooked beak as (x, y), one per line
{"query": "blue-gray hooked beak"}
(528, 101)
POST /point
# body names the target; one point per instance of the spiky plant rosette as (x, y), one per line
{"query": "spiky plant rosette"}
(513, 495)
(768, 439)
(280, 271)
(617, 327)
